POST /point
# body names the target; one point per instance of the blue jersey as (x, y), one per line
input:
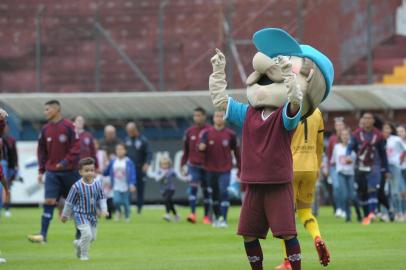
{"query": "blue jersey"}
(82, 202)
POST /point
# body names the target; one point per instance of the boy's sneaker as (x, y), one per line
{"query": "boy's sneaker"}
(167, 217)
(206, 220)
(7, 214)
(191, 218)
(36, 238)
(285, 265)
(84, 258)
(77, 246)
(322, 251)
(215, 223)
(2, 260)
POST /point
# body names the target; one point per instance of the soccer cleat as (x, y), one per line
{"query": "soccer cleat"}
(206, 220)
(7, 214)
(322, 251)
(2, 260)
(191, 218)
(285, 265)
(84, 258)
(367, 220)
(77, 246)
(36, 238)
(176, 218)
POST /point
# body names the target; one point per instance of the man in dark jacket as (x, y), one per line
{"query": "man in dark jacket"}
(139, 151)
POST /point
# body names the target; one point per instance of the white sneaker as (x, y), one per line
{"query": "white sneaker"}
(7, 214)
(167, 217)
(77, 246)
(2, 260)
(215, 223)
(339, 213)
(223, 224)
(84, 258)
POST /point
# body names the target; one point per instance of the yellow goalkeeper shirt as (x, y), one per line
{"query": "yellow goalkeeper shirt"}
(307, 143)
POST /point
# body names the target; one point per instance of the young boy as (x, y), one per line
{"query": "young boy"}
(123, 180)
(81, 203)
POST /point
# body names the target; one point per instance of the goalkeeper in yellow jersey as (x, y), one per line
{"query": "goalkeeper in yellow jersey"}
(307, 150)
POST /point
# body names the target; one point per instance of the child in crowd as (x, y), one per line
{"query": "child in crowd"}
(166, 177)
(81, 203)
(395, 148)
(123, 179)
(345, 171)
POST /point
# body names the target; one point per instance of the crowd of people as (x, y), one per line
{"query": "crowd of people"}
(364, 168)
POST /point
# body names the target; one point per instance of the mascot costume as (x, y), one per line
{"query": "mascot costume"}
(288, 83)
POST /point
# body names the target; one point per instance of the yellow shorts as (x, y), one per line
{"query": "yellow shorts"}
(304, 185)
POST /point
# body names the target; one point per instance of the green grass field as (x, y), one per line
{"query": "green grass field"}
(148, 242)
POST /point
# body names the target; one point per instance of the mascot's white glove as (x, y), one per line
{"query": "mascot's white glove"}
(295, 94)
(217, 81)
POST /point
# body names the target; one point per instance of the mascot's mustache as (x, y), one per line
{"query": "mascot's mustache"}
(265, 92)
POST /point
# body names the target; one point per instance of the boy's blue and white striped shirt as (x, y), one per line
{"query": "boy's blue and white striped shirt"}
(82, 202)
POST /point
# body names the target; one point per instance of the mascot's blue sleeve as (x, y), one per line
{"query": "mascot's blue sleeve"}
(236, 112)
(290, 123)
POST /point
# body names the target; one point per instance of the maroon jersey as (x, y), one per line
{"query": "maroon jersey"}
(87, 148)
(266, 154)
(191, 152)
(58, 143)
(12, 151)
(219, 144)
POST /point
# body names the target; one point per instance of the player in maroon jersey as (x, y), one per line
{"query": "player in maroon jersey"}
(58, 157)
(194, 159)
(218, 144)
(87, 147)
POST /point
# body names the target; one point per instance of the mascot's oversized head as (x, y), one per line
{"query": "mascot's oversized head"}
(265, 86)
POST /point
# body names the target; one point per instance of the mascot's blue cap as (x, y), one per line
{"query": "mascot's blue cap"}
(274, 41)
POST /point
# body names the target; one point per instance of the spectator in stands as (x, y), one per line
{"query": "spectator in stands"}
(369, 145)
(338, 203)
(139, 151)
(401, 131)
(10, 156)
(110, 140)
(394, 150)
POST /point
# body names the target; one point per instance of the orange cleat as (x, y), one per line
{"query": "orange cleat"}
(206, 220)
(191, 218)
(367, 220)
(285, 265)
(324, 254)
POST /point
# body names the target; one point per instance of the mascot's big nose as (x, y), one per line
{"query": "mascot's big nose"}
(266, 65)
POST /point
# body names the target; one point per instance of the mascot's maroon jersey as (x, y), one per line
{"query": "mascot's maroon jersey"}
(266, 154)
(191, 152)
(219, 144)
(58, 143)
